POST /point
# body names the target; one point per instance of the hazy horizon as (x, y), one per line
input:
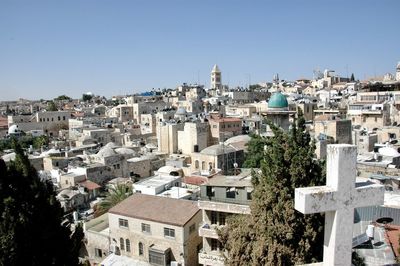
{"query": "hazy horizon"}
(50, 48)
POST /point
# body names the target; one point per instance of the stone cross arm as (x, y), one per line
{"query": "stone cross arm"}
(324, 198)
(338, 199)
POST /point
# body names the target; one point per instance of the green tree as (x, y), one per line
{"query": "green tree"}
(62, 98)
(86, 97)
(115, 195)
(352, 77)
(40, 141)
(255, 152)
(51, 106)
(30, 225)
(275, 233)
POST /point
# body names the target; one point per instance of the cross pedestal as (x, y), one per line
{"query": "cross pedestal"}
(338, 199)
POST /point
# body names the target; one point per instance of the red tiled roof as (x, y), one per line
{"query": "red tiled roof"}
(3, 122)
(78, 114)
(392, 235)
(90, 185)
(195, 180)
(157, 209)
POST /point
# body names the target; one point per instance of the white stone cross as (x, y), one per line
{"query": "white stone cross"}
(338, 199)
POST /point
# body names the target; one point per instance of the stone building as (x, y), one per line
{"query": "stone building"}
(221, 197)
(308, 110)
(217, 157)
(216, 80)
(49, 122)
(152, 229)
(148, 124)
(167, 136)
(369, 116)
(242, 111)
(147, 107)
(222, 128)
(123, 112)
(139, 167)
(278, 111)
(388, 134)
(333, 127)
(364, 141)
(193, 137)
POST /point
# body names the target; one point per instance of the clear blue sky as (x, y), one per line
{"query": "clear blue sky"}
(55, 47)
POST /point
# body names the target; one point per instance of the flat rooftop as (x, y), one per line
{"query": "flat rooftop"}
(157, 181)
(241, 180)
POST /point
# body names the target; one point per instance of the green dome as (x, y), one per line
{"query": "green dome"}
(278, 100)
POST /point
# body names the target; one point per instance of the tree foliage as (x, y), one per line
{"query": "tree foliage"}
(51, 106)
(115, 195)
(255, 152)
(352, 77)
(275, 233)
(86, 97)
(63, 98)
(30, 225)
(24, 142)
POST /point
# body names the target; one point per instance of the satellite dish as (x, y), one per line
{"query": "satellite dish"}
(384, 220)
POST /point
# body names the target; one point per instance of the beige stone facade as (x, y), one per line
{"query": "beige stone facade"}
(151, 229)
(369, 116)
(167, 136)
(223, 128)
(193, 138)
(339, 130)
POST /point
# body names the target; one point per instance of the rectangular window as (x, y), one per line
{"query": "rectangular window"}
(213, 217)
(221, 218)
(210, 191)
(248, 195)
(121, 244)
(230, 193)
(98, 252)
(214, 244)
(168, 232)
(156, 258)
(146, 228)
(123, 223)
(192, 228)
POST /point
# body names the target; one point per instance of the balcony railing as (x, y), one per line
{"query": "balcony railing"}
(209, 231)
(226, 200)
(224, 207)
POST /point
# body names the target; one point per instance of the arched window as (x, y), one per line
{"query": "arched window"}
(128, 245)
(196, 164)
(140, 248)
(121, 244)
(203, 165)
(210, 166)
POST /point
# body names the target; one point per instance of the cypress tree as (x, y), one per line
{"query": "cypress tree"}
(30, 224)
(275, 233)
